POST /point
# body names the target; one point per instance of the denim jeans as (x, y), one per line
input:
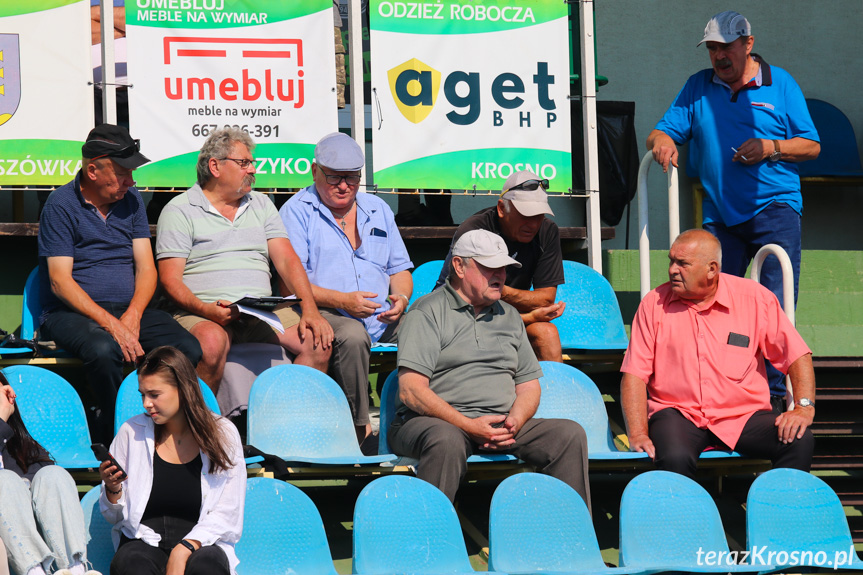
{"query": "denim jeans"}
(775, 224)
(102, 357)
(42, 524)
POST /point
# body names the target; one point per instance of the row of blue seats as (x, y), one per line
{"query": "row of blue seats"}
(298, 414)
(591, 320)
(537, 524)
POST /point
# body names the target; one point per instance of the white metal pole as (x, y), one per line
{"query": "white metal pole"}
(591, 150)
(355, 61)
(643, 238)
(787, 293)
(109, 87)
(673, 204)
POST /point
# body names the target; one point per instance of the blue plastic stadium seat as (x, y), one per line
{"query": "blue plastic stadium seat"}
(424, 277)
(540, 524)
(568, 393)
(282, 532)
(129, 400)
(100, 548)
(592, 319)
(839, 154)
(669, 523)
(388, 411)
(792, 511)
(405, 525)
(53, 414)
(300, 414)
(32, 307)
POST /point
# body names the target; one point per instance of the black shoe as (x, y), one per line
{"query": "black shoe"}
(369, 446)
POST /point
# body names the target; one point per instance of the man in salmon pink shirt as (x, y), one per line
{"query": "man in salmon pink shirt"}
(694, 374)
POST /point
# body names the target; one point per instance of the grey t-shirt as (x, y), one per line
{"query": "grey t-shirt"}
(472, 362)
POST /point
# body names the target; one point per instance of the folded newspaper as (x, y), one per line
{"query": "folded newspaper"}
(260, 307)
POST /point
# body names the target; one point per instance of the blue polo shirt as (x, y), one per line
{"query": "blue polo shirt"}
(101, 248)
(330, 260)
(713, 119)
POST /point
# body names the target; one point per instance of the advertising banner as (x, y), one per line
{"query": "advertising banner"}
(46, 101)
(264, 66)
(466, 93)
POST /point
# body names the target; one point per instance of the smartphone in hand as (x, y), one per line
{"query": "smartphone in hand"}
(102, 454)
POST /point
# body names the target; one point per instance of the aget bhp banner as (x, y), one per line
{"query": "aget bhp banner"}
(263, 66)
(466, 93)
(46, 103)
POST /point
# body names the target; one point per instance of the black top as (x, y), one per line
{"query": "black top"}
(541, 259)
(175, 499)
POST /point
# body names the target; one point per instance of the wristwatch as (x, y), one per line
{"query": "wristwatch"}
(776, 155)
(805, 402)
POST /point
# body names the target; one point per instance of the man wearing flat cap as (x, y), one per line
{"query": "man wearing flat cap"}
(214, 245)
(534, 241)
(748, 125)
(97, 273)
(469, 380)
(357, 263)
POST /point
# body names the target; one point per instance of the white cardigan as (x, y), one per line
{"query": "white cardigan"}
(223, 494)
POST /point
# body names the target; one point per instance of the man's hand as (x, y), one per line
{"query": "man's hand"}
(663, 148)
(125, 338)
(753, 151)
(7, 402)
(490, 432)
(392, 315)
(221, 312)
(358, 305)
(546, 313)
(642, 443)
(792, 424)
(132, 320)
(322, 331)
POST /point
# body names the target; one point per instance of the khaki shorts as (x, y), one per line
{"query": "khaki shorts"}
(248, 329)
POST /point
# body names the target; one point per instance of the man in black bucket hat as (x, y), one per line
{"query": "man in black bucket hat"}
(97, 273)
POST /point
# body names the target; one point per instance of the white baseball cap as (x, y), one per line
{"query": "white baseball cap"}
(726, 27)
(487, 248)
(526, 191)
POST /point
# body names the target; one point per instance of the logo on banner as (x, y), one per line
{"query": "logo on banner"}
(272, 69)
(415, 87)
(10, 76)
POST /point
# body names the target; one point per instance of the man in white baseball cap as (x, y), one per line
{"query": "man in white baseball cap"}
(469, 380)
(534, 241)
(748, 125)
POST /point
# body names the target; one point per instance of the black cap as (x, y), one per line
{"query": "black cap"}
(108, 140)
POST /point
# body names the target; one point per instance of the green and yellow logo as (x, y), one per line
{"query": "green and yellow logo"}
(415, 87)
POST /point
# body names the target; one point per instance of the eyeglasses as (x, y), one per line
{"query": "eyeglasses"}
(528, 186)
(244, 163)
(126, 152)
(335, 180)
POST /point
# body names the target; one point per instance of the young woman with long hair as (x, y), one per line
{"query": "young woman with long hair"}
(180, 510)
(41, 521)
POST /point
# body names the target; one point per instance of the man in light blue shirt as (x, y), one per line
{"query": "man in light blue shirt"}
(357, 263)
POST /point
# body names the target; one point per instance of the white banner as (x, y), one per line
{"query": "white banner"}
(264, 66)
(46, 103)
(465, 94)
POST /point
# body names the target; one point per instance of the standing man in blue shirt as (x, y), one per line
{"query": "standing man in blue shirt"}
(357, 263)
(97, 273)
(748, 124)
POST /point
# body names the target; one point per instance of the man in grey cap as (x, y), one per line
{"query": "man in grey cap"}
(357, 263)
(534, 241)
(214, 245)
(97, 274)
(749, 125)
(469, 381)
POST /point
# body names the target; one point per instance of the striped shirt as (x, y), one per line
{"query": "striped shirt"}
(224, 259)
